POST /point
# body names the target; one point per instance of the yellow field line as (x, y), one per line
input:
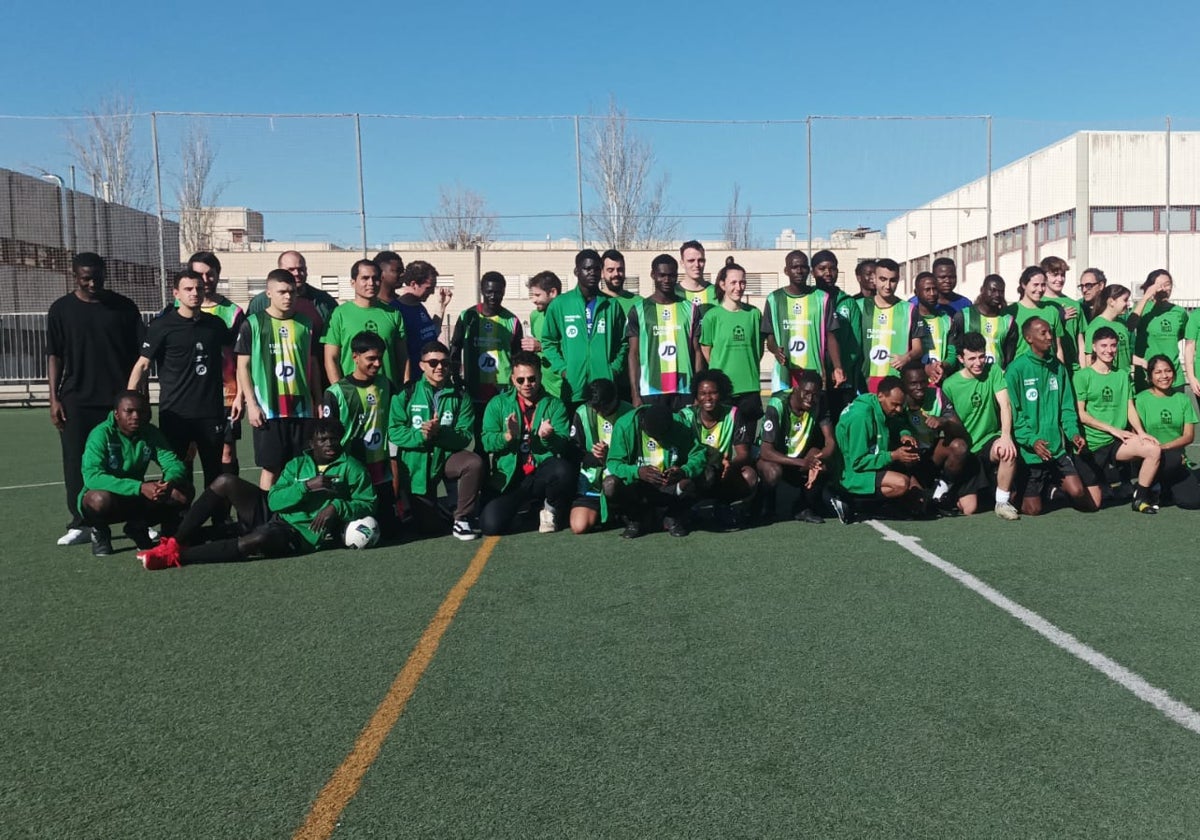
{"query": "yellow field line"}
(344, 783)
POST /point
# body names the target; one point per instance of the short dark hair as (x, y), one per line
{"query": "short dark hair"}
(330, 427)
(525, 358)
(492, 277)
(1100, 276)
(940, 261)
(975, 342)
(586, 253)
(89, 259)
(809, 376)
(130, 394)
(795, 253)
(1106, 332)
(1027, 327)
(281, 275)
(206, 257)
(614, 255)
(384, 257)
(864, 266)
(417, 272)
(924, 275)
(824, 256)
(434, 346)
(992, 278)
(1056, 265)
(358, 265)
(888, 264)
(914, 364)
(664, 259)
(546, 281)
(656, 420)
(367, 341)
(889, 383)
(693, 244)
(599, 393)
(186, 274)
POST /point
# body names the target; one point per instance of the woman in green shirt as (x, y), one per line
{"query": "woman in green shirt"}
(1032, 288)
(1111, 305)
(731, 341)
(1158, 326)
(1169, 416)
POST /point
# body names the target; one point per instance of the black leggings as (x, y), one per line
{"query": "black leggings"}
(553, 480)
(1178, 480)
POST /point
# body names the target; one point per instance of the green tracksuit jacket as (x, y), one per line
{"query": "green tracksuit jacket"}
(352, 496)
(681, 449)
(422, 461)
(862, 437)
(576, 354)
(116, 463)
(495, 423)
(1043, 405)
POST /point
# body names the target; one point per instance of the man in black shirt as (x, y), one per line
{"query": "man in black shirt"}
(92, 340)
(188, 346)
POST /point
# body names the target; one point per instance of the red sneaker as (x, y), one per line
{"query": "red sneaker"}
(162, 556)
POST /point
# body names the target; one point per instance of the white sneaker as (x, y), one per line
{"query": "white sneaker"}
(76, 536)
(462, 530)
(546, 523)
(1006, 511)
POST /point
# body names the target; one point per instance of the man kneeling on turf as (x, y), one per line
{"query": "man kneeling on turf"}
(316, 493)
(115, 489)
(653, 461)
(869, 470)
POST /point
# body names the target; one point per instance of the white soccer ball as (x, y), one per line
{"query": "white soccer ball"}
(362, 533)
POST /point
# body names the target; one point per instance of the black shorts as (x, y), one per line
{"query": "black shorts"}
(278, 442)
(233, 428)
(673, 402)
(979, 474)
(1048, 472)
(589, 502)
(181, 432)
(1098, 467)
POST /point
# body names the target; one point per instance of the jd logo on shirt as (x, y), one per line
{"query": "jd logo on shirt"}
(572, 331)
(1031, 394)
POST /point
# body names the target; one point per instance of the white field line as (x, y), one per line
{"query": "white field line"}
(60, 484)
(1182, 714)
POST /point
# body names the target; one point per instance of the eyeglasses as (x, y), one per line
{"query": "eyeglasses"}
(1087, 286)
(525, 380)
(436, 363)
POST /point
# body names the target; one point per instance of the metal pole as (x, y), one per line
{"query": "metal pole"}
(362, 198)
(988, 251)
(808, 177)
(1168, 220)
(162, 245)
(579, 180)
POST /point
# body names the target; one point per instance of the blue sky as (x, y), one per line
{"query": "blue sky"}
(1043, 70)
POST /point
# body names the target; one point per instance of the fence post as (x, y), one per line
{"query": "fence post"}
(579, 180)
(162, 245)
(362, 198)
(808, 179)
(990, 245)
(1168, 225)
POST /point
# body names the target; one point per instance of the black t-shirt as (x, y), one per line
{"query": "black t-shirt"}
(97, 343)
(189, 356)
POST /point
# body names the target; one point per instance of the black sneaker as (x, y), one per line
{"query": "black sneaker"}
(839, 506)
(633, 529)
(675, 527)
(463, 530)
(101, 541)
(808, 516)
(1141, 503)
(140, 534)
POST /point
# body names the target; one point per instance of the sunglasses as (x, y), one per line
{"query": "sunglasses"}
(1086, 286)
(436, 363)
(525, 380)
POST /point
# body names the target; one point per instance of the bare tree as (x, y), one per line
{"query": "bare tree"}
(196, 192)
(619, 166)
(106, 150)
(736, 228)
(461, 220)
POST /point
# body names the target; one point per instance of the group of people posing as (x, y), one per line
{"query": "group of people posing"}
(610, 406)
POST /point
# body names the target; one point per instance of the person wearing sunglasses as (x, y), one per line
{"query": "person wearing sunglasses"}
(526, 430)
(431, 423)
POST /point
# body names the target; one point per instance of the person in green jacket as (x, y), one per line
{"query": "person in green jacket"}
(431, 424)
(654, 461)
(591, 435)
(318, 493)
(729, 477)
(584, 337)
(115, 488)
(526, 430)
(868, 470)
(1043, 402)
(544, 287)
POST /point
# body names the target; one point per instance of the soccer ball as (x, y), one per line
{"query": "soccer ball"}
(362, 533)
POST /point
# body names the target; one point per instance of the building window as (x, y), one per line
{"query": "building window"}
(1137, 220)
(1053, 228)
(1010, 240)
(945, 253)
(920, 264)
(1104, 220)
(1181, 219)
(975, 250)
(1143, 219)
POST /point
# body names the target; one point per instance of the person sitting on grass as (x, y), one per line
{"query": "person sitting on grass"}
(591, 435)
(115, 488)
(1168, 415)
(729, 477)
(654, 461)
(797, 447)
(1103, 401)
(870, 472)
(315, 496)
(430, 426)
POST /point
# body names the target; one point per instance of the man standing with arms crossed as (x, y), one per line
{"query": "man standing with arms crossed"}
(92, 340)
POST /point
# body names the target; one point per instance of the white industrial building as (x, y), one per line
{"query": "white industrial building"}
(1122, 201)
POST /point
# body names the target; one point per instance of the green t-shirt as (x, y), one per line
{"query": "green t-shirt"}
(1124, 360)
(627, 300)
(1071, 328)
(974, 401)
(1158, 332)
(1191, 332)
(705, 298)
(736, 343)
(1105, 396)
(1050, 314)
(349, 319)
(1165, 417)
